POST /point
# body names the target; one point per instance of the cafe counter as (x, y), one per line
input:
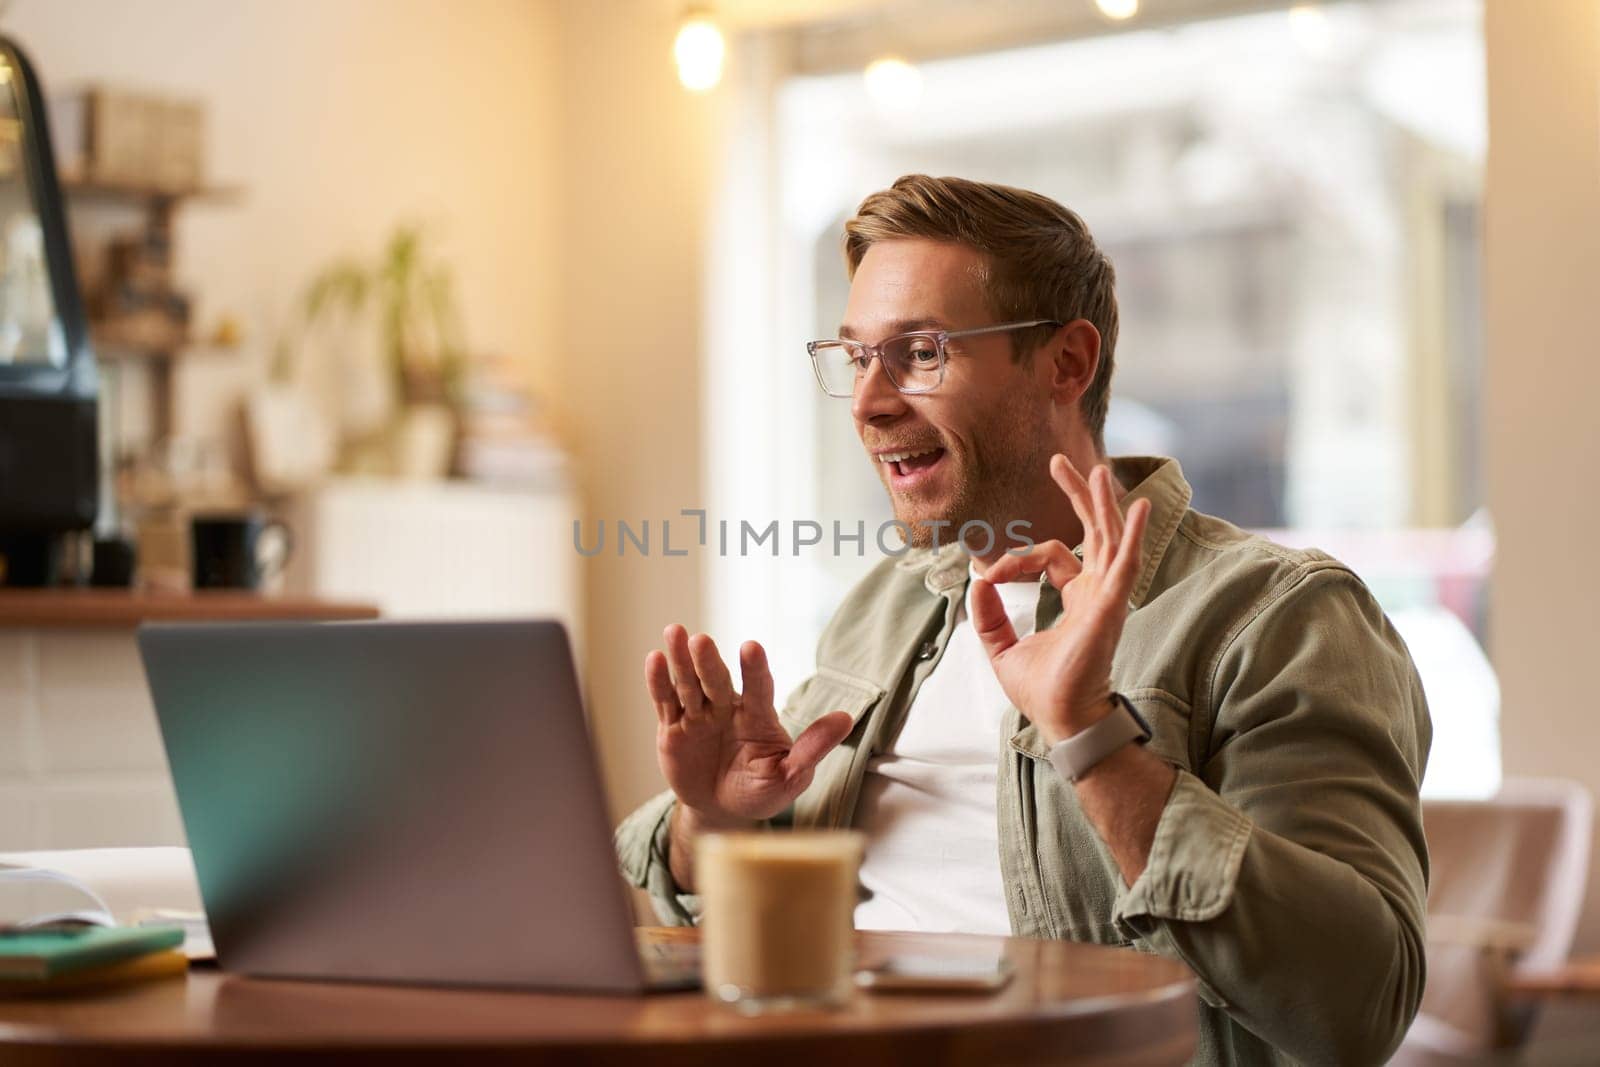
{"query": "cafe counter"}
(95, 608)
(81, 762)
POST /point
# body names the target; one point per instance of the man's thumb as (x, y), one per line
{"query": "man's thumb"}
(989, 619)
(816, 741)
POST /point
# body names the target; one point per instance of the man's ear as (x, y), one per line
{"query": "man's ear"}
(1074, 355)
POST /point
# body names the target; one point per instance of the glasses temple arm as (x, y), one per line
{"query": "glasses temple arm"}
(1002, 328)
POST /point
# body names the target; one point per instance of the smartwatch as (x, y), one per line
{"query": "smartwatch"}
(1074, 757)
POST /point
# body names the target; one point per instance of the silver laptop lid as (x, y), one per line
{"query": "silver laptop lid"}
(395, 801)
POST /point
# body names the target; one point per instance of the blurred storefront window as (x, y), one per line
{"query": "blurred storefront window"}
(1291, 200)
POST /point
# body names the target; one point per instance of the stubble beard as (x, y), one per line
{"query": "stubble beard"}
(1009, 455)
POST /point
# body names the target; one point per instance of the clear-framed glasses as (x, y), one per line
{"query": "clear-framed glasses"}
(913, 361)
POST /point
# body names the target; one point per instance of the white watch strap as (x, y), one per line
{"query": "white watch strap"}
(1073, 757)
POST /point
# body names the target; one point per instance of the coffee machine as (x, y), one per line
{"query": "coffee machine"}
(49, 383)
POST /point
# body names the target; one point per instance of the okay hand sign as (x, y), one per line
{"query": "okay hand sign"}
(1060, 678)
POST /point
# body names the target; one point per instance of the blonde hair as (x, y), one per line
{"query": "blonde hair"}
(1042, 260)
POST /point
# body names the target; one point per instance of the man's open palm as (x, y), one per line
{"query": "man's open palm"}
(724, 752)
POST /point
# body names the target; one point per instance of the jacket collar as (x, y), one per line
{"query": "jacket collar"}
(1158, 479)
(945, 567)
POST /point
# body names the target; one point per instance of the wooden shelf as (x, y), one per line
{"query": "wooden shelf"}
(126, 607)
(111, 349)
(137, 193)
(159, 207)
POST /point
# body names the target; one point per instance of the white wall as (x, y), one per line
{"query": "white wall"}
(638, 159)
(1542, 276)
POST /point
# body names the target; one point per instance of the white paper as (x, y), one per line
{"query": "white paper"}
(122, 885)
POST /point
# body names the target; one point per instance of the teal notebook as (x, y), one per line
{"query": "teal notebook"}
(38, 954)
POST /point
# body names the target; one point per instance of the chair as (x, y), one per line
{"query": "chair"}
(1505, 895)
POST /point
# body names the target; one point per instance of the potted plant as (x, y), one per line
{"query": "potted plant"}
(409, 297)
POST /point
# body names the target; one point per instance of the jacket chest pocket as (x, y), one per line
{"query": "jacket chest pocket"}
(826, 691)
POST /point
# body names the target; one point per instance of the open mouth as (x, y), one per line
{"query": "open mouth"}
(912, 466)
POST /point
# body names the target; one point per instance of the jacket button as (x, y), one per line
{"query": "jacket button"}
(928, 650)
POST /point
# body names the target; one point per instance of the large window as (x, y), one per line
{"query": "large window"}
(1291, 202)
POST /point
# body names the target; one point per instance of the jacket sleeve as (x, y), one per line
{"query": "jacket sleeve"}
(1291, 874)
(642, 841)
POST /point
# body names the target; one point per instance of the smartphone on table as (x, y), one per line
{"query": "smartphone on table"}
(921, 973)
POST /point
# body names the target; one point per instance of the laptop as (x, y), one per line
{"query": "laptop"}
(398, 801)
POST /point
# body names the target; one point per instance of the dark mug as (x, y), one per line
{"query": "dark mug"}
(115, 560)
(234, 551)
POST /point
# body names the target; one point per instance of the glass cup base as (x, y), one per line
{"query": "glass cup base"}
(777, 1004)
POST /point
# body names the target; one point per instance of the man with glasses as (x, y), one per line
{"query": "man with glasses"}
(1076, 707)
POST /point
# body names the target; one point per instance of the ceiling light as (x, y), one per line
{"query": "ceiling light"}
(1118, 9)
(894, 85)
(1309, 25)
(699, 49)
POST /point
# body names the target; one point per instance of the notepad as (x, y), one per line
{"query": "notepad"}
(36, 955)
(168, 963)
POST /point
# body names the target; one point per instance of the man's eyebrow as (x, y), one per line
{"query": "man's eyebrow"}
(900, 326)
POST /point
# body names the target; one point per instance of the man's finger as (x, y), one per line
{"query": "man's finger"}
(816, 741)
(1125, 571)
(658, 681)
(989, 619)
(715, 681)
(1052, 558)
(1107, 515)
(684, 678)
(755, 677)
(1077, 490)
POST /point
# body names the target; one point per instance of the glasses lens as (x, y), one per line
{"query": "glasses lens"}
(836, 367)
(913, 362)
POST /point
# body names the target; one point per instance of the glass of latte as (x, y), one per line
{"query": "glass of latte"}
(776, 918)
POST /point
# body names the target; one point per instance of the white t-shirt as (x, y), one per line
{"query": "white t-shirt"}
(928, 804)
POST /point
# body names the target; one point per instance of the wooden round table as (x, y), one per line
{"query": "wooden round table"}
(1068, 1004)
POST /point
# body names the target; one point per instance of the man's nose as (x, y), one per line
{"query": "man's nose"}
(875, 397)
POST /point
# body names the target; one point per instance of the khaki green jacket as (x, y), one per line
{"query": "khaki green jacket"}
(1288, 868)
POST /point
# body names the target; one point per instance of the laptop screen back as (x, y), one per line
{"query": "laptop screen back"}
(393, 801)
